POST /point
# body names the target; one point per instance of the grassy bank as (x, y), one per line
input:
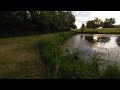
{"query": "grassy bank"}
(51, 53)
(69, 66)
(100, 31)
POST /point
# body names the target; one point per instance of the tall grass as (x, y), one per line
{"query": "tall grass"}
(51, 53)
(69, 66)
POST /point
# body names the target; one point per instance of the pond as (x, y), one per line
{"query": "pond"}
(107, 45)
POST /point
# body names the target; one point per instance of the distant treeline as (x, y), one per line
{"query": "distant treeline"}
(17, 23)
(96, 23)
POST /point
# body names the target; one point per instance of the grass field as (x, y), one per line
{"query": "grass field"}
(20, 58)
(100, 31)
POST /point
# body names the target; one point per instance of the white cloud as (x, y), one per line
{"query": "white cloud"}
(82, 13)
(83, 16)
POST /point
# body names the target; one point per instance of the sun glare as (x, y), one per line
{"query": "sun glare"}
(95, 38)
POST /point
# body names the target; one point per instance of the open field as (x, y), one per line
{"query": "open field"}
(100, 31)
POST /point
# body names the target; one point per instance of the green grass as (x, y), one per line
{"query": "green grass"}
(51, 53)
(100, 31)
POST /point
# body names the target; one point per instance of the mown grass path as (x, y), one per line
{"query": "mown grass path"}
(20, 58)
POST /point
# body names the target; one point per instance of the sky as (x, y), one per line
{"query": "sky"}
(83, 16)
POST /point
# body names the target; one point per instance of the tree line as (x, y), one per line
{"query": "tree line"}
(108, 23)
(17, 23)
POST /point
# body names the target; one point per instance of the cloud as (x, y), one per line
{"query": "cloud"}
(81, 17)
(82, 13)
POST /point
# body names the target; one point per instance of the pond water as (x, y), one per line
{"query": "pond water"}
(107, 45)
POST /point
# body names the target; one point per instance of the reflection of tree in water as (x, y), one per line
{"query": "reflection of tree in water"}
(118, 41)
(82, 36)
(104, 39)
(89, 39)
(97, 39)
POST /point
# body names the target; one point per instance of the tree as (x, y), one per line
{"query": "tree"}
(83, 27)
(94, 23)
(108, 23)
(98, 22)
(71, 20)
(90, 24)
(30, 22)
(67, 19)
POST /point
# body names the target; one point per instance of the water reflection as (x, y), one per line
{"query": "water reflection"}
(96, 38)
(89, 39)
(107, 45)
(104, 39)
(118, 41)
(82, 37)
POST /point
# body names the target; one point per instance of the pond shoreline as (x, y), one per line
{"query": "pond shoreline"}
(106, 44)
